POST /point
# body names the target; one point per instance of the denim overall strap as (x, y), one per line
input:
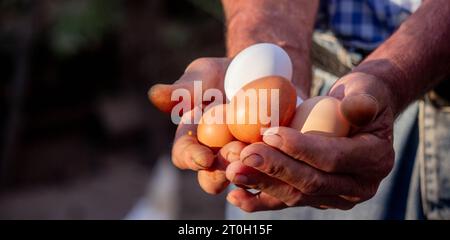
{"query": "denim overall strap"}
(434, 159)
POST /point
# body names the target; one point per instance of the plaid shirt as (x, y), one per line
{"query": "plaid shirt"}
(364, 24)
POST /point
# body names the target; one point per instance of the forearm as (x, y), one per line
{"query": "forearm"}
(287, 23)
(416, 57)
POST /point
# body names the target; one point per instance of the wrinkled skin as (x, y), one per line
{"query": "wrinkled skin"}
(294, 169)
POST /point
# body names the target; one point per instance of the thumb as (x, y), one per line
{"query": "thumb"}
(210, 71)
(362, 97)
(160, 94)
(360, 109)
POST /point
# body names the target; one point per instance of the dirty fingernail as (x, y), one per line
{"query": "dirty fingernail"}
(253, 160)
(240, 179)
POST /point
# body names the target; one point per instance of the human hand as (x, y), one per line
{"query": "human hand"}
(187, 152)
(293, 169)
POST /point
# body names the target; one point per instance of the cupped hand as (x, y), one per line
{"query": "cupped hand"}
(187, 152)
(293, 169)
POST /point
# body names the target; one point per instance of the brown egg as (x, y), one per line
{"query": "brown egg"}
(248, 119)
(321, 115)
(212, 129)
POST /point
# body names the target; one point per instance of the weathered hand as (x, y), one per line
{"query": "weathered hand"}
(293, 169)
(211, 71)
(187, 152)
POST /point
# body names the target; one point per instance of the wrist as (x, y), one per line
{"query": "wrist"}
(286, 23)
(244, 31)
(302, 72)
(249, 26)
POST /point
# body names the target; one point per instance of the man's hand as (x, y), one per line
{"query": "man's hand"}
(187, 152)
(294, 169)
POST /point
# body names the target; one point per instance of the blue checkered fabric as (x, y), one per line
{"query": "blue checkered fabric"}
(364, 24)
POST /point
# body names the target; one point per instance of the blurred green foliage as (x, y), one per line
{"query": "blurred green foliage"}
(79, 23)
(213, 7)
(175, 35)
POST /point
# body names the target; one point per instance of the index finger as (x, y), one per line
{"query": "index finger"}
(331, 154)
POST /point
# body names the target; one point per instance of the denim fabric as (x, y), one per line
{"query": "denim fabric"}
(434, 159)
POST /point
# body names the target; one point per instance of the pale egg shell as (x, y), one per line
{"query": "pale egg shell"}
(212, 129)
(321, 115)
(257, 61)
(240, 123)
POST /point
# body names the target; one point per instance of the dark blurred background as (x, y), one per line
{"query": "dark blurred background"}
(79, 139)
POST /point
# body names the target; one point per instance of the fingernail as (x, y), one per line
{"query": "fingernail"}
(253, 160)
(272, 140)
(200, 160)
(233, 200)
(271, 131)
(232, 157)
(240, 179)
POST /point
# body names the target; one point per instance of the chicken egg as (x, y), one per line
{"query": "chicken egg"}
(257, 61)
(251, 113)
(321, 115)
(212, 129)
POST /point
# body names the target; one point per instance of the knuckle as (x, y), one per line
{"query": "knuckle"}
(295, 152)
(314, 185)
(288, 144)
(275, 170)
(333, 164)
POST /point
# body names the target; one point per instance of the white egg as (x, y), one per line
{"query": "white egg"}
(257, 61)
